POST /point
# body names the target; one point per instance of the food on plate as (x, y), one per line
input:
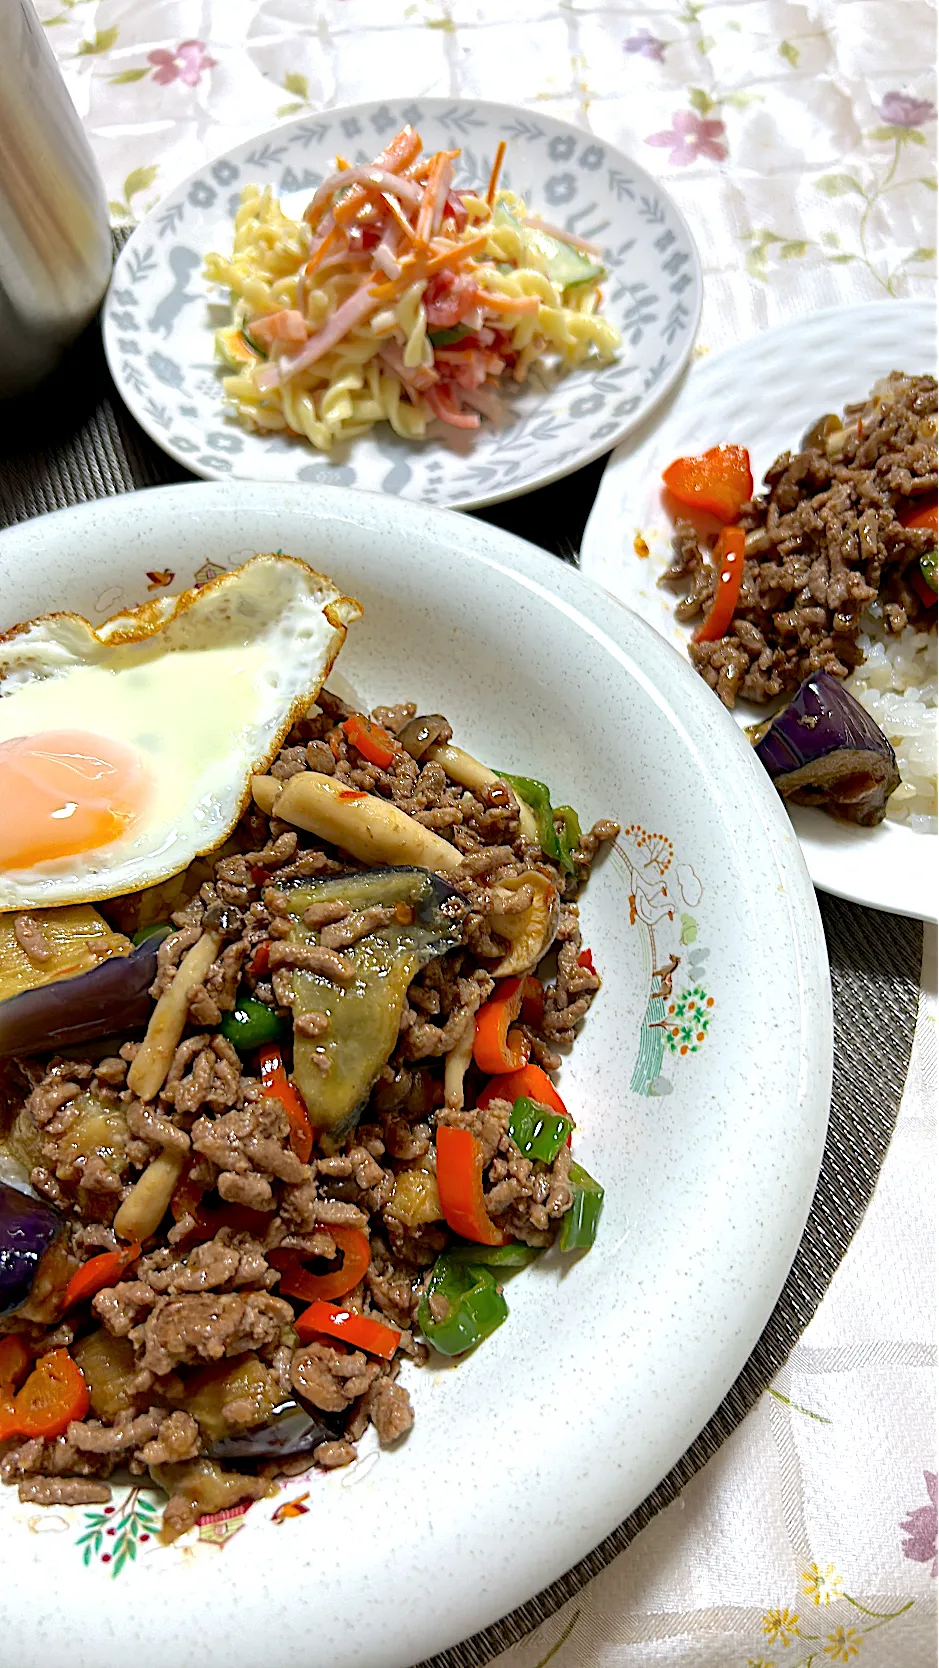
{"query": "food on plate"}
(399, 298)
(823, 749)
(830, 569)
(120, 760)
(278, 1122)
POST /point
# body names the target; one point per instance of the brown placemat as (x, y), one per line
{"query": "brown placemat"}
(74, 441)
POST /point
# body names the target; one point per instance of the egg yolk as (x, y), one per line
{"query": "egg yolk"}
(63, 792)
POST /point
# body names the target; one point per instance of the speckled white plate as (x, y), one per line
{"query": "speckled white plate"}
(764, 394)
(703, 1112)
(160, 315)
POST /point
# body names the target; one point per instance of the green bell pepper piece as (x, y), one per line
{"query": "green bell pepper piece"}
(162, 928)
(538, 797)
(579, 1227)
(927, 564)
(516, 1255)
(537, 1132)
(569, 837)
(554, 845)
(477, 1306)
(251, 1024)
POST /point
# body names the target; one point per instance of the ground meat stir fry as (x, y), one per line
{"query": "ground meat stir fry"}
(824, 540)
(192, 1343)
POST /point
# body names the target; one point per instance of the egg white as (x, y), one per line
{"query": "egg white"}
(204, 686)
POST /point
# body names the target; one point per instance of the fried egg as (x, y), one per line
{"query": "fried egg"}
(127, 750)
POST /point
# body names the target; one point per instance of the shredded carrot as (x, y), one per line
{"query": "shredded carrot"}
(498, 303)
(319, 255)
(405, 147)
(425, 216)
(459, 253)
(398, 214)
(496, 171)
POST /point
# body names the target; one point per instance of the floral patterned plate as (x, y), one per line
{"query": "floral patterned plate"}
(701, 1087)
(764, 394)
(160, 315)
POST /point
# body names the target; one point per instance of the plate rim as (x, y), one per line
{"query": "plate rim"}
(478, 502)
(534, 570)
(909, 889)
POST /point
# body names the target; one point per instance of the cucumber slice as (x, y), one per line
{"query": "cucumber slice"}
(443, 338)
(567, 267)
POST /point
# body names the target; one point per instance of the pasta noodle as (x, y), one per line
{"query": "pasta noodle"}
(398, 299)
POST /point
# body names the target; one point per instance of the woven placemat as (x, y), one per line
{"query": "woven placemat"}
(74, 441)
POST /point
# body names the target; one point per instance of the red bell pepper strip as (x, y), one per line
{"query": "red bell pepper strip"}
(296, 1281)
(530, 1083)
(275, 1082)
(532, 1001)
(460, 1186)
(585, 959)
(729, 550)
(14, 1362)
(260, 961)
(100, 1272)
(374, 743)
(922, 587)
(719, 481)
(54, 1394)
(927, 517)
(495, 1047)
(349, 1326)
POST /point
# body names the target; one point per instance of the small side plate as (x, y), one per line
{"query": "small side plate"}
(763, 395)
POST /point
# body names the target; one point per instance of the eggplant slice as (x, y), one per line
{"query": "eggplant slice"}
(28, 1227)
(823, 749)
(335, 1071)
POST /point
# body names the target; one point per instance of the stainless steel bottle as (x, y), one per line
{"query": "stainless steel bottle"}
(55, 246)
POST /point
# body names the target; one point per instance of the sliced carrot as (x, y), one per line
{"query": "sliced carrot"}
(425, 216)
(54, 1394)
(494, 301)
(296, 1281)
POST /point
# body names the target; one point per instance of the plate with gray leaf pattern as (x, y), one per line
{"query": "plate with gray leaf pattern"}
(160, 314)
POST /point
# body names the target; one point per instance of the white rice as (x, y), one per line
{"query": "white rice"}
(897, 685)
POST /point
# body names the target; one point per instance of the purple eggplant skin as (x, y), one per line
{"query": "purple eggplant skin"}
(290, 1431)
(823, 749)
(28, 1227)
(109, 999)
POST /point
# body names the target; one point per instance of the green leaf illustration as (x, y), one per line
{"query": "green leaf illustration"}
(103, 41)
(840, 260)
(830, 240)
(689, 929)
(921, 255)
(138, 179)
(793, 250)
(789, 52)
(128, 75)
(912, 136)
(446, 24)
(288, 109)
(886, 135)
(706, 45)
(928, 181)
(296, 84)
(739, 101)
(839, 185)
(700, 101)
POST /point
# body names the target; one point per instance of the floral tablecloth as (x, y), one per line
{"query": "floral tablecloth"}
(798, 138)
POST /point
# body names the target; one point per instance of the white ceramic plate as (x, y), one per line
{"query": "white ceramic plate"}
(706, 1128)
(763, 395)
(160, 314)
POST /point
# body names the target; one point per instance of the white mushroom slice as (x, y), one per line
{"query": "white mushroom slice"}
(148, 1200)
(463, 768)
(154, 1057)
(531, 931)
(457, 1065)
(369, 828)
